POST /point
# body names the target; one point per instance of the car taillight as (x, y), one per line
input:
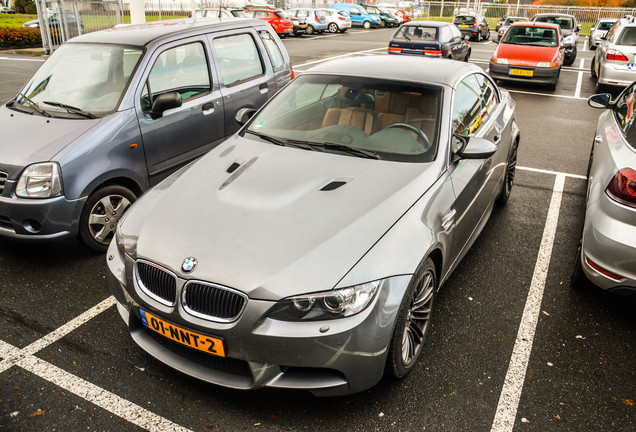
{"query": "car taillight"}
(341, 18)
(435, 53)
(616, 55)
(622, 188)
(392, 49)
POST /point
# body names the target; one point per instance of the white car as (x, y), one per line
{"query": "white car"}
(395, 13)
(599, 30)
(337, 20)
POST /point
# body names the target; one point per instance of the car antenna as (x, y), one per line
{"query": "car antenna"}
(220, 6)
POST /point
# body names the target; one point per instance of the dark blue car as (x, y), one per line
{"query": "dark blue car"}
(430, 38)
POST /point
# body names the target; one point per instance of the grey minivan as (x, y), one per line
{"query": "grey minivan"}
(112, 113)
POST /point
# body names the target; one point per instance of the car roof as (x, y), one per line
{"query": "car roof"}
(401, 68)
(554, 14)
(426, 23)
(143, 34)
(535, 24)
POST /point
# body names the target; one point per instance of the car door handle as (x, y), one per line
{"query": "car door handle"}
(208, 108)
(263, 88)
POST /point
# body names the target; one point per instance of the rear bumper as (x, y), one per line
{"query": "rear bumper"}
(616, 74)
(540, 75)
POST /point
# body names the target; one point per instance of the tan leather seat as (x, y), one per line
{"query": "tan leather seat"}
(364, 119)
(391, 106)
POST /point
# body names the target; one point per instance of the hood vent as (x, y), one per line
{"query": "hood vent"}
(232, 167)
(335, 184)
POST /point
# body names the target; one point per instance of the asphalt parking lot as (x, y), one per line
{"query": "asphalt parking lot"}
(513, 346)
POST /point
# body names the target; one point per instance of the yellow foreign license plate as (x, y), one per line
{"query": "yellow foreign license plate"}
(198, 341)
(464, 25)
(521, 72)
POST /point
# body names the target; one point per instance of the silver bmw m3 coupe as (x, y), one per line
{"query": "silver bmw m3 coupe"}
(306, 250)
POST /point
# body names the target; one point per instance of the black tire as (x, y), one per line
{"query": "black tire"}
(298, 34)
(310, 30)
(333, 28)
(593, 68)
(552, 85)
(100, 215)
(343, 30)
(599, 88)
(413, 320)
(511, 168)
(478, 36)
(570, 59)
(366, 25)
(578, 280)
(487, 35)
(467, 55)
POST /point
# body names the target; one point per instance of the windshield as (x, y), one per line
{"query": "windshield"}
(566, 23)
(419, 33)
(464, 19)
(605, 25)
(538, 36)
(85, 77)
(388, 119)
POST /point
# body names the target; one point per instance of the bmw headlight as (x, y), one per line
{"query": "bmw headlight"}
(40, 180)
(326, 305)
(569, 39)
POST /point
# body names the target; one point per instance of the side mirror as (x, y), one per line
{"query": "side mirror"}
(474, 148)
(592, 28)
(243, 115)
(164, 102)
(600, 101)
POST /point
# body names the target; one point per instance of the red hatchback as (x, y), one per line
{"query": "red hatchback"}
(529, 51)
(279, 19)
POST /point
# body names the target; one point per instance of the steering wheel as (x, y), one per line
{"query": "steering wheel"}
(421, 135)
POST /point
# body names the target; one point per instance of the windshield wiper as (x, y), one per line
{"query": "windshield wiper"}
(266, 137)
(72, 109)
(33, 105)
(351, 150)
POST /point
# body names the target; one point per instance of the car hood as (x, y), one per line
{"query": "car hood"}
(267, 228)
(29, 138)
(525, 54)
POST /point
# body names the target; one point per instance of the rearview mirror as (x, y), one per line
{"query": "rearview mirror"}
(164, 102)
(474, 148)
(243, 115)
(600, 101)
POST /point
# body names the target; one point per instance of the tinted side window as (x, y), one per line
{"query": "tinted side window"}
(624, 114)
(183, 69)
(238, 57)
(467, 106)
(272, 49)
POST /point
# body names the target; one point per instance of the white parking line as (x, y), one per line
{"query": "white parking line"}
(511, 393)
(579, 80)
(555, 173)
(22, 59)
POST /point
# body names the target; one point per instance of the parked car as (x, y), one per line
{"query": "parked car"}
(613, 62)
(300, 24)
(388, 20)
(315, 22)
(7, 10)
(430, 38)
(395, 13)
(569, 30)
(56, 21)
(473, 25)
(316, 195)
(79, 148)
(599, 30)
(279, 20)
(500, 22)
(359, 15)
(529, 51)
(405, 16)
(220, 13)
(337, 20)
(501, 29)
(607, 250)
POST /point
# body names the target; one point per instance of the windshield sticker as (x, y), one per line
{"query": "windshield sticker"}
(259, 124)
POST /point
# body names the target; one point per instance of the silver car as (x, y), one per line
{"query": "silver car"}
(337, 20)
(306, 250)
(613, 62)
(607, 256)
(599, 30)
(506, 24)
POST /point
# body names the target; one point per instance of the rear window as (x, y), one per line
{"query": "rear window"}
(465, 19)
(628, 37)
(605, 25)
(343, 13)
(566, 23)
(239, 14)
(281, 14)
(416, 33)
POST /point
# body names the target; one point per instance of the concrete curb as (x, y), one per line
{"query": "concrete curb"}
(24, 51)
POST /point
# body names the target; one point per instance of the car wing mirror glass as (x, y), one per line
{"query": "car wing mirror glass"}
(243, 115)
(473, 147)
(600, 101)
(164, 102)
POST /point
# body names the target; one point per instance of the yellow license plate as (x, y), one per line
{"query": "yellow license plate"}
(198, 341)
(521, 72)
(464, 25)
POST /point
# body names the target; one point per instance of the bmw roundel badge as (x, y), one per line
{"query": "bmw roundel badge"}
(189, 264)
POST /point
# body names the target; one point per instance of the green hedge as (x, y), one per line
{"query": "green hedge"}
(20, 37)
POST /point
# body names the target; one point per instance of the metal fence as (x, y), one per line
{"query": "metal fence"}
(64, 19)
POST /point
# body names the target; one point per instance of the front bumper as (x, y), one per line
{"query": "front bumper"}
(610, 243)
(539, 75)
(38, 219)
(327, 358)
